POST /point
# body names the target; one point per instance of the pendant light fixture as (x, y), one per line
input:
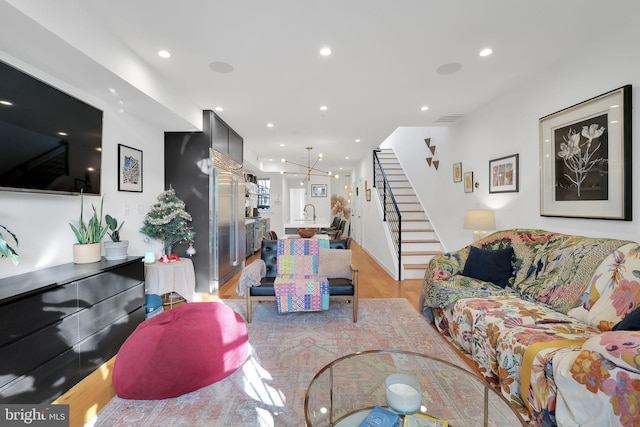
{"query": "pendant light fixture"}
(312, 170)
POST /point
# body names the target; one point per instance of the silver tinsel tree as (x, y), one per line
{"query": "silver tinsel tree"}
(167, 221)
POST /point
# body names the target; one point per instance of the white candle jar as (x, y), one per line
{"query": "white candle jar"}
(403, 393)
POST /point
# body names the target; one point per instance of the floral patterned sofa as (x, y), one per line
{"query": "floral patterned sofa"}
(547, 338)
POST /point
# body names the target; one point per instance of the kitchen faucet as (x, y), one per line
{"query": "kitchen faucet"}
(314, 210)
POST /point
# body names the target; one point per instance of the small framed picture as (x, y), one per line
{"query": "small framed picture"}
(318, 190)
(129, 169)
(468, 182)
(503, 175)
(457, 172)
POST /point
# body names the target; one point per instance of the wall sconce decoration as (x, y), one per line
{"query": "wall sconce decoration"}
(431, 161)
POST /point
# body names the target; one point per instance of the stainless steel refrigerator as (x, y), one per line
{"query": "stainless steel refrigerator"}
(205, 169)
(227, 213)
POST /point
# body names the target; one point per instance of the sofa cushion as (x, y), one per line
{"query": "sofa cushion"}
(631, 322)
(334, 263)
(180, 351)
(489, 265)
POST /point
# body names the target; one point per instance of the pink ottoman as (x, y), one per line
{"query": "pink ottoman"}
(181, 350)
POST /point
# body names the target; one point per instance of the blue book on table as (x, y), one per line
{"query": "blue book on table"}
(380, 417)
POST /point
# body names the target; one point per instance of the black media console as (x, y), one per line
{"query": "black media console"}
(58, 324)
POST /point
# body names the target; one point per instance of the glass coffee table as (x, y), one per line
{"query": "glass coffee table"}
(343, 392)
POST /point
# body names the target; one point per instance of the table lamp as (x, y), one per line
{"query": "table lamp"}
(479, 220)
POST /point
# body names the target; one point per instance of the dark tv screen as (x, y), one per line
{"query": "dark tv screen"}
(49, 141)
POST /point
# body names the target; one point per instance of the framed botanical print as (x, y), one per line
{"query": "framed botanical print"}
(585, 159)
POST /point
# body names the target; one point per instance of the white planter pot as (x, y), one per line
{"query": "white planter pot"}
(116, 250)
(86, 254)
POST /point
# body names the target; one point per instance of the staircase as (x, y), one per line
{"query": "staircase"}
(419, 241)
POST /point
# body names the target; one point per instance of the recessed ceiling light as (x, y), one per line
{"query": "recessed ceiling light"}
(219, 109)
(164, 54)
(5, 102)
(450, 68)
(269, 125)
(347, 157)
(221, 67)
(325, 51)
(424, 108)
(323, 108)
(486, 52)
(62, 133)
(357, 140)
(281, 145)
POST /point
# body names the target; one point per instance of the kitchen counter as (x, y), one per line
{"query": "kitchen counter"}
(308, 223)
(292, 226)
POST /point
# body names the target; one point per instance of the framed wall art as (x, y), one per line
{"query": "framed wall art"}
(318, 190)
(129, 169)
(457, 172)
(468, 182)
(585, 159)
(504, 174)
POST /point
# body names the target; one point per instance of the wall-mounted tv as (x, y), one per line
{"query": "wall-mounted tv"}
(49, 141)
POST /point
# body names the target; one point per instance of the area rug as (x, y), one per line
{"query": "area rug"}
(287, 351)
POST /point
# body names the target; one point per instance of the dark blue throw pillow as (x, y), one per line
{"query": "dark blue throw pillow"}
(631, 322)
(489, 265)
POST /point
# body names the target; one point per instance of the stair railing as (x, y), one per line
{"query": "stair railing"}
(391, 212)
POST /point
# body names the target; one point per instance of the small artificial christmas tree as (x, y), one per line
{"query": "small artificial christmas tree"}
(167, 221)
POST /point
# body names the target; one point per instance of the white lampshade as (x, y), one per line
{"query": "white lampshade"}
(479, 220)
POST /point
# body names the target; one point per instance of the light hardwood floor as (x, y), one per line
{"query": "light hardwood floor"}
(94, 392)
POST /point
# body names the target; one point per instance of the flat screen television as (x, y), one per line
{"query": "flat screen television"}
(49, 141)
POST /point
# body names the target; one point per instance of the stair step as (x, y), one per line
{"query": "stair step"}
(415, 266)
(421, 241)
(417, 230)
(422, 253)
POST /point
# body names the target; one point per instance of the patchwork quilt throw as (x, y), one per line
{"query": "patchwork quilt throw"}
(297, 285)
(294, 293)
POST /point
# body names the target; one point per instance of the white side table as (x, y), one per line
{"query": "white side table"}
(177, 276)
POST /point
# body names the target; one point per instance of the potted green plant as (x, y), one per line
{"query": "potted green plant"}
(7, 251)
(115, 249)
(89, 235)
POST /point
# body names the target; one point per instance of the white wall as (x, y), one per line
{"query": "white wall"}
(366, 221)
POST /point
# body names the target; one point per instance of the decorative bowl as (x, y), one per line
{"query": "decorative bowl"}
(307, 233)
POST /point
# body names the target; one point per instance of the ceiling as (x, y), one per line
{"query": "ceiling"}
(382, 70)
